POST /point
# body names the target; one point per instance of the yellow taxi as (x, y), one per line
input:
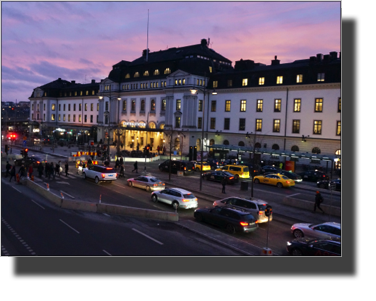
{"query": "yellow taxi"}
(205, 166)
(241, 170)
(274, 179)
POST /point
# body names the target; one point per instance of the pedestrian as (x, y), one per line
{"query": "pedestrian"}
(135, 167)
(31, 170)
(12, 173)
(57, 168)
(40, 170)
(47, 170)
(21, 172)
(164, 150)
(7, 169)
(318, 200)
(158, 149)
(66, 168)
(224, 182)
(117, 163)
(122, 145)
(52, 171)
(121, 171)
(6, 149)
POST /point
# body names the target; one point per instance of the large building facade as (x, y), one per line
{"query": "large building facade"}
(292, 107)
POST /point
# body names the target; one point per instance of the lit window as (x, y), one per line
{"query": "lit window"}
(68, 117)
(200, 105)
(53, 107)
(259, 105)
(338, 132)
(243, 105)
(214, 106)
(210, 69)
(74, 118)
(215, 84)
(245, 82)
(156, 72)
(279, 80)
(52, 117)
(59, 117)
(167, 71)
(276, 125)
(146, 73)
(339, 105)
(127, 75)
(228, 106)
(318, 104)
(261, 81)
(178, 104)
(296, 126)
(64, 117)
(124, 105)
(85, 106)
(258, 125)
(91, 107)
(297, 104)
(277, 105)
(136, 74)
(317, 127)
(299, 78)
(79, 118)
(177, 121)
(320, 77)
(87, 92)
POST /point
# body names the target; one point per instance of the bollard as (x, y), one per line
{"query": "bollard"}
(62, 196)
(28, 176)
(48, 187)
(100, 198)
(267, 251)
(32, 178)
(18, 178)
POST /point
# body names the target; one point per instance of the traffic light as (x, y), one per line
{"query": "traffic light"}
(191, 153)
(26, 152)
(22, 152)
(268, 210)
(195, 153)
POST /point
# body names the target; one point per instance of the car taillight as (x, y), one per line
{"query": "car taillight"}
(38, 162)
(155, 185)
(185, 168)
(244, 224)
(261, 212)
(185, 200)
(231, 178)
(103, 175)
(288, 182)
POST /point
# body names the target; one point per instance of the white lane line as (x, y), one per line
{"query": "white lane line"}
(107, 253)
(158, 242)
(69, 226)
(67, 194)
(292, 195)
(37, 204)
(18, 237)
(16, 189)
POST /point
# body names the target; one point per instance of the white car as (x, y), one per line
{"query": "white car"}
(329, 230)
(146, 182)
(100, 173)
(177, 197)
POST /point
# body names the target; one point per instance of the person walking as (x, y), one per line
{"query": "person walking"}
(12, 173)
(57, 169)
(158, 149)
(121, 161)
(318, 200)
(66, 168)
(22, 171)
(47, 170)
(7, 169)
(31, 170)
(135, 167)
(52, 171)
(117, 163)
(121, 171)
(224, 182)
(40, 170)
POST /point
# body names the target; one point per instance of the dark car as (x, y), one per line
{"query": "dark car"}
(254, 169)
(313, 175)
(291, 175)
(313, 247)
(218, 176)
(35, 161)
(230, 219)
(334, 185)
(213, 163)
(137, 154)
(177, 165)
(270, 169)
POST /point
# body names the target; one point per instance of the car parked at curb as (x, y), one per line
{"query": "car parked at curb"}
(306, 246)
(186, 167)
(274, 179)
(328, 230)
(219, 175)
(313, 175)
(176, 197)
(227, 218)
(254, 206)
(100, 173)
(149, 183)
(291, 175)
(333, 185)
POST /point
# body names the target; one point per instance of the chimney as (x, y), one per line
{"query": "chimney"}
(333, 55)
(275, 61)
(319, 56)
(93, 81)
(73, 81)
(144, 52)
(204, 42)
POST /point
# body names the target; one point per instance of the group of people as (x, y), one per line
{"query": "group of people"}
(120, 164)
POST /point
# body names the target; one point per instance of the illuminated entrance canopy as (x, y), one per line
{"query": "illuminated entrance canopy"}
(126, 123)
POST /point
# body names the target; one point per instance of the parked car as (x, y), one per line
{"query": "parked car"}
(26, 161)
(328, 230)
(100, 173)
(177, 197)
(291, 175)
(270, 169)
(137, 154)
(313, 247)
(275, 180)
(313, 175)
(253, 206)
(149, 183)
(177, 165)
(241, 170)
(252, 168)
(218, 176)
(335, 184)
(230, 219)
(197, 166)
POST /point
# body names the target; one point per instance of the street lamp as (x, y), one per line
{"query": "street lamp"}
(194, 90)
(253, 158)
(106, 115)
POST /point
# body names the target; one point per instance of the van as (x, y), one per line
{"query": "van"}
(177, 165)
(241, 170)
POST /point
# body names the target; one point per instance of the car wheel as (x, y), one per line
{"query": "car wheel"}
(175, 205)
(197, 169)
(96, 180)
(298, 233)
(236, 177)
(198, 217)
(257, 181)
(130, 184)
(148, 189)
(230, 229)
(279, 185)
(296, 252)
(154, 198)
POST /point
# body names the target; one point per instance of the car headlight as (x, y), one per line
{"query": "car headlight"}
(289, 243)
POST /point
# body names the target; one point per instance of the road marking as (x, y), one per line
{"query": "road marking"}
(69, 226)
(292, 195)
(37, 204)
(18, 237)
(16, 189)
(63, 183)
(147, 236)
(107, 252)
(67, 194)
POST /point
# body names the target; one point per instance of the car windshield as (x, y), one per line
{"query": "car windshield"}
(284, 177)
(246, 169)
(248, 218)
(154, 180)
(189, 196)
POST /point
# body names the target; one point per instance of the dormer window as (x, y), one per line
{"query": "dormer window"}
(167, 71)
(156, 72)
(127, 76)
(146, 73)
(136, 74)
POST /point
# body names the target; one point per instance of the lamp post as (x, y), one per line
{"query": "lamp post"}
(194, 91)
(253, 158)
(106, 115)
(182, 144)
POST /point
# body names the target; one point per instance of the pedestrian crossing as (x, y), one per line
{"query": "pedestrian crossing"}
(62, 177)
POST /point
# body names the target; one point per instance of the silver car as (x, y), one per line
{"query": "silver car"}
(100, 173)
(149, 183)
(255, 207)
(177, 197)
(329, 230)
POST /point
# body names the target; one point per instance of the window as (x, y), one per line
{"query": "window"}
(245, 82)
(52, 117)
(211, 70)
(215, 84)
(177, 121)
(316, 150)
(91, 107)
(74, 107)
(68, 107)
(243, 105)
(59, 117)
(212, 123)
(124, 105)
(142, 109)
(64, 117)
(241, 124)
(261, 81)
(226, 124)
(167, 71)
(136, 74)
(338, 132)
(152, 105)
(74, 118)
(339, 105)
(75, 93)
(297, 103)
(133, 106)
(106, 106)
(199, 123)
(87, 92)
(277, 105)
(214, 106)
(53, 107)
(259, 105)
(146, 73)
(156, 72)
(79, 107)
(295, 148)
(320, 77)
(229, 83)
(59, 107)
(85, 106)
(200, 105)
(91, 118)
(296, 126)
(258, 125)
(228, 106)
(64, 107)
(127, 75)
(68, 117)
(318, 104)
(178, 105)
(85, 118)
(163, 105)
(279, 80)
(93, 92)
(276, 125)
(317, 127)
(97, 118)
(299, 78)
(97, 107)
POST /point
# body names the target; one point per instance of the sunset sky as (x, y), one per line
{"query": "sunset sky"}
(43, 41)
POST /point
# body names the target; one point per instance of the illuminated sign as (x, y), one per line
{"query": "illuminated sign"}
(35, 130)
(126, 123)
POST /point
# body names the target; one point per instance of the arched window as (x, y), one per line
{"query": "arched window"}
(211, 142)
(177, 143)
(142, 105)
(241, 143)
(257, 145)
(152, 105)
(275, 147)
(338, 152)
(152, 125)
(226, 142)
(161, 126)
(198, 144)
(295, 148)
(316, 150)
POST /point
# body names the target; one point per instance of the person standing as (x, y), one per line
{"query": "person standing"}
(158, 149)
(31, 170)
(121, 161)
(12, 173)
(6, 149)
(57, 168)
(47, 170)
(40, 170)
(22, 171)
(66, 168)
(135, 167)
(117, 163)
(51, 171)
(7, 169)
(318, 200)
(224, 182)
